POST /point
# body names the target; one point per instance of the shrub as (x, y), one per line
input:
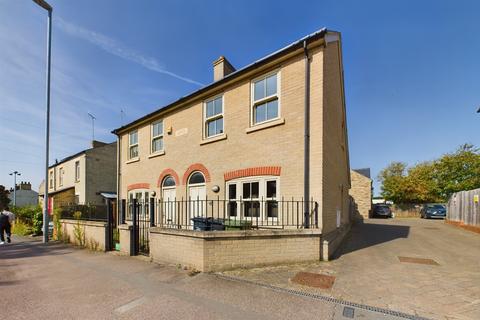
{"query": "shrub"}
(78, 230)
(37, 222)
(21, 228)
(57, 225)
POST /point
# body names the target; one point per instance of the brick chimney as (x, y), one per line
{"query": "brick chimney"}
(96, 144)
(221, 68)
(24, 185)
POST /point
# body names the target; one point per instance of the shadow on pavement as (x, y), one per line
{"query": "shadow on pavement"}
(28, 249)
(364, 235)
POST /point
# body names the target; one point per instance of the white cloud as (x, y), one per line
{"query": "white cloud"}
(116, 48)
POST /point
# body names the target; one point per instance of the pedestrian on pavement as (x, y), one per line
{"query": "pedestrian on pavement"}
(6, 221)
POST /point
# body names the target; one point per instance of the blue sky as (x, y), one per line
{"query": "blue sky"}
(411, 69)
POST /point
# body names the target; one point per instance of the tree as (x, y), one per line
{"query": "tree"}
(432, 181)
(4, 200)
(458, 171)
(393, 181)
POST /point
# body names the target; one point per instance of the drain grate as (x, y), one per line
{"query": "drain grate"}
(325, 298)
(348, 312)
(315, 280)
(418, 260)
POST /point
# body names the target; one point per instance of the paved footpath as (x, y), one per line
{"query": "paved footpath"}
(55, 281)
(369, 271)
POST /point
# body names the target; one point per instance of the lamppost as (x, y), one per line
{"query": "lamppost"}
(15, 174)
(47, 7)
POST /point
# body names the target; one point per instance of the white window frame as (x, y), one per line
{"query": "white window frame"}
(254, 103)
(51, 179)
(132, 194)
(61, 171)
(262, 196)
(214, 117)
(159, 136)
(130, 145)
(77, 171)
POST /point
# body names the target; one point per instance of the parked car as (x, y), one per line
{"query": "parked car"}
(433, 211)
(382, 210)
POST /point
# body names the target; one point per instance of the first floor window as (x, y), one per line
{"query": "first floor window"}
(50, 183)
(133, 144)
(214, 117)
(60, 176)
(77, 170)
(265, 98)
(157, 136)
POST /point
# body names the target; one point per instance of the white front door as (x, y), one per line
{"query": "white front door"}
(197, 196)
(169, 206)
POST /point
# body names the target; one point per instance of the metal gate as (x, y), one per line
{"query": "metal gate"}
(111, 232)
(142, 219)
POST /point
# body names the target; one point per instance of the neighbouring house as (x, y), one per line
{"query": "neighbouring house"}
(24, 195)
(83, 177)
(361, 193)
(263, 148)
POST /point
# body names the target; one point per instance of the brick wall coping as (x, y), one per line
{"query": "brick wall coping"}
(85, 222)
(237, 234)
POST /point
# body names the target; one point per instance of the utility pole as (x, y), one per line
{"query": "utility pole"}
(46, 6)
(93, 125)
(15, 174)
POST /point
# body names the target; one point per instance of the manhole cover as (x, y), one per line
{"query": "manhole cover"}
(418, 260)
(314, 280)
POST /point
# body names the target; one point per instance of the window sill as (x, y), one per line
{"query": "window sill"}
(133, 160)
(222, 136)
(265, 125)
(156, 154)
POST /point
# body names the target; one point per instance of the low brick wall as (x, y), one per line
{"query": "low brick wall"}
(92, 233)
(222, 250)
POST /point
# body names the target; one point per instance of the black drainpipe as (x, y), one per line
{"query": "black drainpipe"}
(306, 166)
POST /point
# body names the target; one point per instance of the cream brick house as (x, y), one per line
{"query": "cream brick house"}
(82, 177)
(273, 130)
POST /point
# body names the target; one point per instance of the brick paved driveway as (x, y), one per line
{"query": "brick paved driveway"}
(368, 269)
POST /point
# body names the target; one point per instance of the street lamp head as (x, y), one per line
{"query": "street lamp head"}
(43, 4)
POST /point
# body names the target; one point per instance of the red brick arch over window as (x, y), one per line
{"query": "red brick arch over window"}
(250, 172)
(165, 173)
(138, 186)
(196, 167)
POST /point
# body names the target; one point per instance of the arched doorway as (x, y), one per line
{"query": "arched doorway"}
(197, 194)
(168, 199)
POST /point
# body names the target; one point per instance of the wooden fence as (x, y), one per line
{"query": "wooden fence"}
(464, 207)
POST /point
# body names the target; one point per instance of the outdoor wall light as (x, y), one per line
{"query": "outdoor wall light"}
(215, 188)
(169, 130)
(154, 194)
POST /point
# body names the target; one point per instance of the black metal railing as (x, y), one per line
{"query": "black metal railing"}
(226, 214)
(84, 212)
